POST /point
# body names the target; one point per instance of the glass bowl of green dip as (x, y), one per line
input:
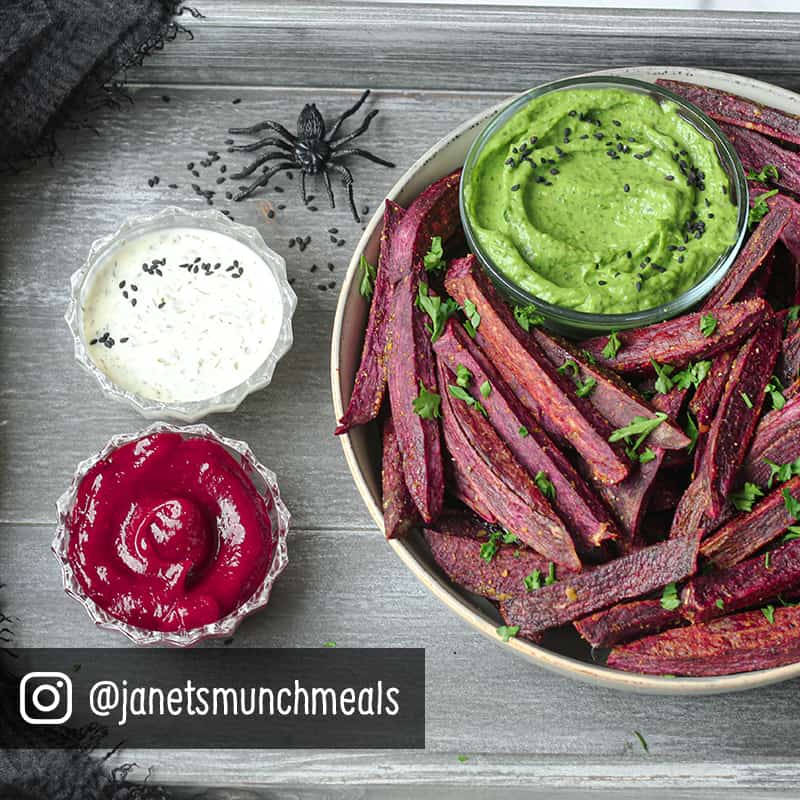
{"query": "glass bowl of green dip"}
(603, 203)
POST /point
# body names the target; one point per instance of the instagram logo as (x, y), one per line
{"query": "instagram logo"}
(45, 698)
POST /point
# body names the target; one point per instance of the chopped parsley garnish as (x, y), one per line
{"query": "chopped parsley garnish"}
(746, 398)
(670, 599)
(329, 644)
(769, 171)
(664, 382)
(639, 427)
(613, 346)
(533, 581)
(490, 547)
(439, 311)
(708, 324)
(463, 376)
(589, 356)
(463, 759)
(463, 394)
(551, 574)
(367, 285)
(584, 388)
(642, 741)
(693, 375)
(485, 389)
(506, 632)
(691, 431)
(794, 533)
(775, 391)
(792, 504)
(527, 316)
(782, 472)
(545, 485)
(744, 498)
(427, 405)
(473, 318)
(760, 208)
(523, 431)
(769, 613)
(767, 559)
(646, 456)
(720, 604)
(433, 259)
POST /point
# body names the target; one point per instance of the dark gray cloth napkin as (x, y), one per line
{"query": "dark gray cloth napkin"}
(56, 57)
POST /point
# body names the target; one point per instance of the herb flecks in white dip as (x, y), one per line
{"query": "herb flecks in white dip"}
(181, 314)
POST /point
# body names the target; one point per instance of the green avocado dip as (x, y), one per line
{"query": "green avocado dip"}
(600, 200)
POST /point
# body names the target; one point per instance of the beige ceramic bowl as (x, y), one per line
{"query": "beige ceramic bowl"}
(562, 652)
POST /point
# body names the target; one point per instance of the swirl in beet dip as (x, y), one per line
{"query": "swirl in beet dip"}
(168, 533)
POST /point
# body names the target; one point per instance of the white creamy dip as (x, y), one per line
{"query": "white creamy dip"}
(181, 314)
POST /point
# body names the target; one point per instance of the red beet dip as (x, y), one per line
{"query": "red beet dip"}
(169, 534)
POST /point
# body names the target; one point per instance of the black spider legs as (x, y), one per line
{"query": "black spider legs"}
(263, 126)
(329, 188)
(347, 180)
(357, 151)
(356, 133)
(349, 113)
(257, 163)
(270, 141)
(264, 179)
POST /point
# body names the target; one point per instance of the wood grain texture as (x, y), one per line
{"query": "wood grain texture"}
(427, 46)
(520, 727)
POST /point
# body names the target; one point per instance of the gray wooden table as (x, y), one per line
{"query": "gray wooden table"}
(431, 67)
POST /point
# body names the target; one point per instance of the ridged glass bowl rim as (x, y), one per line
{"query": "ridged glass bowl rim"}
(582, 320)
(224, 627)
(166, 218)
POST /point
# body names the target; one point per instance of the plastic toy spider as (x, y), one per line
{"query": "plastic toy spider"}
(311, 151)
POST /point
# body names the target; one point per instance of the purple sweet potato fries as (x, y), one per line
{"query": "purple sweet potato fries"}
(646, 493)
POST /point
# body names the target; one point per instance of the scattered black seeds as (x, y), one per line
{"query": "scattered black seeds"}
(133, 302)
(228, 195)
(291, 243)
(331, 284)
(281, 207)
(313, 268)
(601, 283)
(150, 182)
(166, 98)
(333, 230)
(125, 295)
(236, 101)
(553, 171)
(124, 339)
(340, 243)
(229, 141)
(330, 267)
(680, 259)
(94, 341)
(599, 136)
(572, 114)
(658, 268)
(122, 283)
(626, 187)
(365, 209)
(638, 286)
(162, 304)
(669, 177)
(173, 186)
(515, 187)
(195, 173)
(221, 179)
(291, 281)
(278, 189)
(271, 214)
(629, 254)
(223, 169)
(290, 176)
(616, 122)
(322, 287)
(313, 208)
(190, 165)
(584, 136)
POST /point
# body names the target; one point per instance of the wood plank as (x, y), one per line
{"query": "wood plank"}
(348, 587)
(52, 214)
(426, 46)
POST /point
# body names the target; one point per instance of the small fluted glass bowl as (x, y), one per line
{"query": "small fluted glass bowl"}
(173, 217)
(579, 324)
(265, 484)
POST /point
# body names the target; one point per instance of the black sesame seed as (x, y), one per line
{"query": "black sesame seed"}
(281, 206)
(553, 171)
(278, 189)
(292, 242)
(313, 268)
(236, 101)
(124, 339)
(601, 283)
(122, 284)
(228, 196)
(626, 187)
(331, 284)
(313, 208)
(94, 341)
(271, 214)
(669, 177)
(125, 295)
(190, 165)
(173, 185)
(195, 173)
(322, 287)
(515, 187)
(330, 267)
(365, 209)
(221, 179)
(629, 254)
(133, 302)
(616, 122)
